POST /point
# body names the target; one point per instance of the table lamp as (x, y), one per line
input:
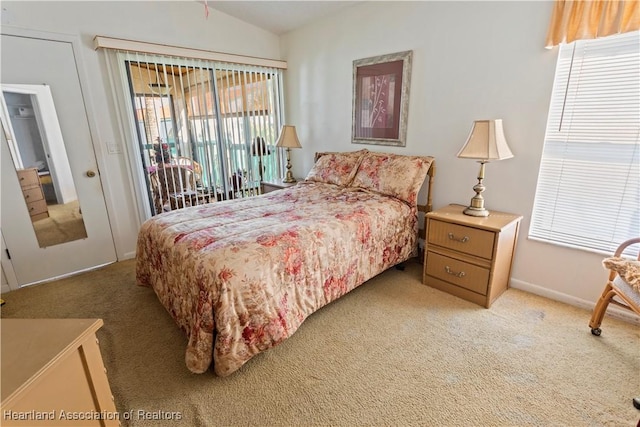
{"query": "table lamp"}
(288, 139)
(486, 142)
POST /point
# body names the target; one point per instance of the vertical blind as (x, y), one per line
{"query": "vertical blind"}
(588, 193)
(221, 120)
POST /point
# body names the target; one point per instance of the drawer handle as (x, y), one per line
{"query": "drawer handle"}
(465, 239)
(453, 273)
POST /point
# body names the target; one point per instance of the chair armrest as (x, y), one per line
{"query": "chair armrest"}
(625, 244)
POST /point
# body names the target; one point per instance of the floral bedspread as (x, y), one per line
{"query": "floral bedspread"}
(240, 276)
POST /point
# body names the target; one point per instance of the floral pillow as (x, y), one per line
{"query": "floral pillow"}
(628, 269)
(358, 153)
(335, 168)
(393, 175)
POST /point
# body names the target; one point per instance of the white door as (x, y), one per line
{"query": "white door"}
(40, 246)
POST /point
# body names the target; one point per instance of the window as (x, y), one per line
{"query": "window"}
(588, 193)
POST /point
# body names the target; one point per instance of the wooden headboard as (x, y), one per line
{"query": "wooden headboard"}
(431, 173)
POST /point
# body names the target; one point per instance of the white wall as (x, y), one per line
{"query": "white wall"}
(177, 23)
(472, 60)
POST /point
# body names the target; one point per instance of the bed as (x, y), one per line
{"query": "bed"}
(240, 276)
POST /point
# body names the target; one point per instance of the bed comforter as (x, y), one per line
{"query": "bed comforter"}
(241, 276)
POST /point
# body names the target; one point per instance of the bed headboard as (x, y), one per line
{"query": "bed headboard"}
(422, 233)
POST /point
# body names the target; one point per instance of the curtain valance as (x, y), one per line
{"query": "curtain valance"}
(589, 19)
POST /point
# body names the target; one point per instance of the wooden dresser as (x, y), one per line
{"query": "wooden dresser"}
(53, 375)
(470, 257)
(33, 194)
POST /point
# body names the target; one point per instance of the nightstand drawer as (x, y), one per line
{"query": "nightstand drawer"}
(457, 272)
(460, 238)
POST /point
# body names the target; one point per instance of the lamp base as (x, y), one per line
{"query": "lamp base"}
(477, 202)
(471, 211)
(289, 179)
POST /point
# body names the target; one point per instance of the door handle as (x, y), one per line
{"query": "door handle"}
(91, 173)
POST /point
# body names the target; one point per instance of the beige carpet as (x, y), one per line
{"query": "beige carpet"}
(392, 352)
(64, 224)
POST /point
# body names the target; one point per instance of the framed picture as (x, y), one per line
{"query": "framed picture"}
(381, 99)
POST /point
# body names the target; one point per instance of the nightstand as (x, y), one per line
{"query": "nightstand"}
(269, 186)
(470, 257)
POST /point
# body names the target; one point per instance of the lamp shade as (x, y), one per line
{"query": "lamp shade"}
(486, 142)
(288, 137)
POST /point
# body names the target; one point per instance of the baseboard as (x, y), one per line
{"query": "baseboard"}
(62, 276)
(128, 255)
(5, 288)
(612, 310)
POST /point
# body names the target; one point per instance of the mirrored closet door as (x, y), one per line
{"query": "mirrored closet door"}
(54, 217)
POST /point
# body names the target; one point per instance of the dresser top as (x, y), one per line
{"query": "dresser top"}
(496, 220)
(29, 346)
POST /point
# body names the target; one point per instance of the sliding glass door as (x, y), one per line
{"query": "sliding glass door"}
(205, 131)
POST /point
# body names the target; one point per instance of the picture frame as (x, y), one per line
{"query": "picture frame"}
(381, 99)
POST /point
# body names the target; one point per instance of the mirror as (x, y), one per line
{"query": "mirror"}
(30, 124)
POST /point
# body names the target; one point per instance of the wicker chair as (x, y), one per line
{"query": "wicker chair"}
(176, 188)
(622, 288)
(195, 167)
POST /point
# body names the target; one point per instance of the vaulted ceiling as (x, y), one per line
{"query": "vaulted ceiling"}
(278, 17)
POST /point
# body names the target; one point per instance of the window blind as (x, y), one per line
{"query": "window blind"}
(588, 192)
(217, 119)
